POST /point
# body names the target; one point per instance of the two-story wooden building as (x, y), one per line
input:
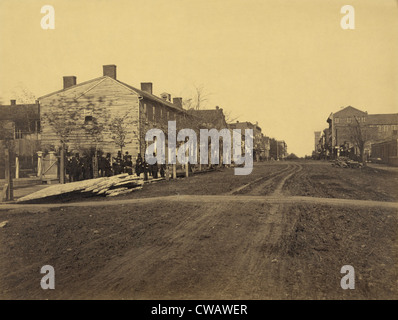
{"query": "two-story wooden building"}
(73, 114)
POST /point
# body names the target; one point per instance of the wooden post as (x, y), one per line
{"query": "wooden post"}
(16, 167)
(174, 171)
(62, 165)
(167, 173)
(187, 170)
(39, 163)
(8, 176)
(95, 164)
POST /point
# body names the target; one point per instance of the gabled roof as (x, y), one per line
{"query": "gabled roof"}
(210, 115)
(380, 119)
(244, 124)
(350, 109)
(96, 81)
(74, 87)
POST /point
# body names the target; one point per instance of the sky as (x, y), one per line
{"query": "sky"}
(286, 64)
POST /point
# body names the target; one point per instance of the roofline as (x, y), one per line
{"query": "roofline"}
(135, 90)
(151, 96)
(72, 87)
(383, 114)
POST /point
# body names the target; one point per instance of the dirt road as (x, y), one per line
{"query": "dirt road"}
(278, 234)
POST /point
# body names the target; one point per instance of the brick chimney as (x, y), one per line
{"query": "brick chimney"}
(147, 87)
(13, 102)
(177, 102)
(110, 71)
(69, 81)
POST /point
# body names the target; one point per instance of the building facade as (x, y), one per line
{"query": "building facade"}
(259, 147)
(83, 115)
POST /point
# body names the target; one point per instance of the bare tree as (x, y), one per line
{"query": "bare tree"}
(229, 118)
(198, 100)
(23, 95)
(119, 127)
(64, 116)
(360, 134)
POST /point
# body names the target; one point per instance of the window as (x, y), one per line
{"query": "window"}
(336, 120)
(349, 120)
(153, 113)
(149, 112)
(88, 120)
(363, 119)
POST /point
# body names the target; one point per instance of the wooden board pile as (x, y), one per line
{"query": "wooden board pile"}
(344, 162)
(106, 186)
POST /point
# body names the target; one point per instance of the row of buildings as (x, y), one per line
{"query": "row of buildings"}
(355, 133)
(110, 115)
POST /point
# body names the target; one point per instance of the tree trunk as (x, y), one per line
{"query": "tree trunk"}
(62, 165)
(362, 156)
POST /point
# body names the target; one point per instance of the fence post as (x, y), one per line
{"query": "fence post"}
(39, 163)
(8, 175)
(16, 167)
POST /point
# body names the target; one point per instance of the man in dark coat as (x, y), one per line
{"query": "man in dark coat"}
(154, 168)
(128, 165)
(108, 166)
(138, 165)
(75, 168)
(87, 168)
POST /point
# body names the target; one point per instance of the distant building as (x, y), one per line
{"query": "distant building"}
(376, 127)
(21, 124)
(24, 118)
(210, 118)
(267, 147)
(385, 152)
(259, 149)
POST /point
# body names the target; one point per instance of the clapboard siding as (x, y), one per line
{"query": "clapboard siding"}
(102, 98)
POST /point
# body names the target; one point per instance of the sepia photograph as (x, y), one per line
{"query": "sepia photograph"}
(210, 152)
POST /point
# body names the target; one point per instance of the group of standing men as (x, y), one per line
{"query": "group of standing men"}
(81, 168)
(141, 166)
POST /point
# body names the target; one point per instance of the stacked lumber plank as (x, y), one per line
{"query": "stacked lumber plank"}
(344, 162)
(106, 186)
